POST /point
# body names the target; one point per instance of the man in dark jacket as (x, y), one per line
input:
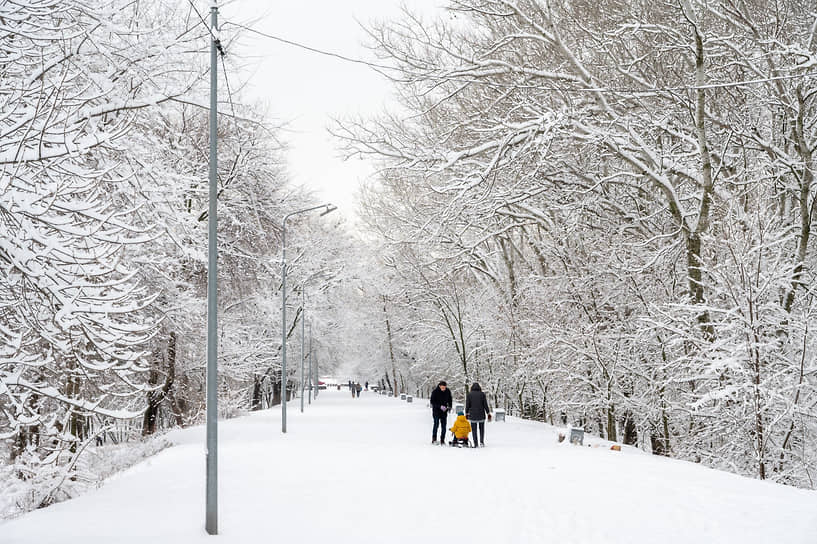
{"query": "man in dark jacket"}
(476, 409)
(441, 403)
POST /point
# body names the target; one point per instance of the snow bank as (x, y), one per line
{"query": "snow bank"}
(364, 471)
(19, 495)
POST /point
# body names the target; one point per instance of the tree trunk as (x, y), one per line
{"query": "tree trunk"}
(391, 348)
(276, 393)
(658, 447)
(804, 200)
(257, 401)
(155, 396)
(630, 437)
(76, 419)
(611, 423)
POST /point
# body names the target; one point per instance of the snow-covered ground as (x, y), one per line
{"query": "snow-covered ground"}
(364, 471)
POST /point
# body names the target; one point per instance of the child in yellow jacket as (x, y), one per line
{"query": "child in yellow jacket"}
(460, 429)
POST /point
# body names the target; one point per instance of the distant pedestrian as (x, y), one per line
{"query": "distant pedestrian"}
(359, 389)
(441, 403)
(353, 389)
(367, 386)
(476, 410)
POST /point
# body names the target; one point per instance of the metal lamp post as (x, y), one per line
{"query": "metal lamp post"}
(303, 319)
(310, 363)
(328, 209)
(211, 492)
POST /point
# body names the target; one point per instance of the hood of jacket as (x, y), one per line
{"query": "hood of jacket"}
(476, 387)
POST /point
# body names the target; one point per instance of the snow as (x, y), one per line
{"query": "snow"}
(363, 470)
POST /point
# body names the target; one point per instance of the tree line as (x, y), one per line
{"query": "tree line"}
(103, 246)
(602, 212)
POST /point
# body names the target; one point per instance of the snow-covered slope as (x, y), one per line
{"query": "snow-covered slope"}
(364, 471)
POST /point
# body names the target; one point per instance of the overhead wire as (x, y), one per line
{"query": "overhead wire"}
(222, 53)
(377, 67)
(474, 79)
(201, 18)
(227, 84)
(442, 76)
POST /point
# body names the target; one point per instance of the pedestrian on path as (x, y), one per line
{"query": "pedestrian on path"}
(359, 388)
(476, 409)
(441, 403)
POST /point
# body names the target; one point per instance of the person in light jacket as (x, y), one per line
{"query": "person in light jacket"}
(476, 410)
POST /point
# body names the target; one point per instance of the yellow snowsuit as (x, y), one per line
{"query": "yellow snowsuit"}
(461, 427)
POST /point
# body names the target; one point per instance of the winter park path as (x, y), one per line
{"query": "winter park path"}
(364, 471)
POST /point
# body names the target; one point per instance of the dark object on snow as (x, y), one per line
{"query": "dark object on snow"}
(440, 406)
(476, 404)
(441, 400)
(476, 409)
(577, 436)
(478, 428)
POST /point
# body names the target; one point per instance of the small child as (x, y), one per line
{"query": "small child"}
(460, 429)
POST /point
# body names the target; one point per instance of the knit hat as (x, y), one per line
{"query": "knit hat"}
(460, 413)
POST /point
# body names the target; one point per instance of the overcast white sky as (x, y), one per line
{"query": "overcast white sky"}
(307, 89)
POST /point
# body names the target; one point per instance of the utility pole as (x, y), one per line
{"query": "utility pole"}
(211, 520)
(303, 318)
(310, 363)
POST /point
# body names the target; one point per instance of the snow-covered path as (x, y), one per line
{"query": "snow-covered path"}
(364, 471)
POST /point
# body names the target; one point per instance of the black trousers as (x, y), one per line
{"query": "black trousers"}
(441, 421)
(478, 429)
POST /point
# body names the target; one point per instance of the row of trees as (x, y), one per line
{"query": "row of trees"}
(103, 259)
(603, 211)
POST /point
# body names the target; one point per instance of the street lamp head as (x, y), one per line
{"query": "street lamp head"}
(329, 209)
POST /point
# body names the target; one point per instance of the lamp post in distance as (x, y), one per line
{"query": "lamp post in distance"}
(303, 319)
(303, 335)
(328, 208)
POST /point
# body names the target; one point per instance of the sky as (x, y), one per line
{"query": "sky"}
(307, 90)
